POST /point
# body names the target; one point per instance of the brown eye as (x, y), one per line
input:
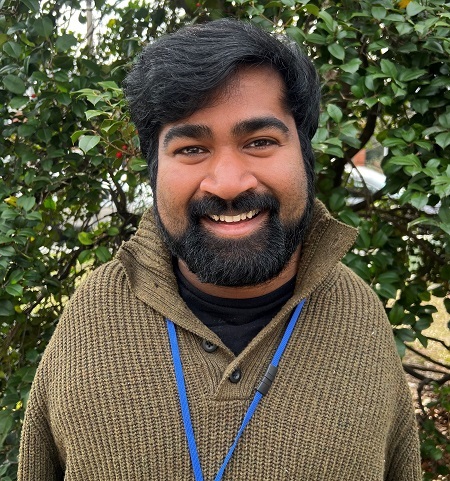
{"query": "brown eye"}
(261, 143)
(191, 150)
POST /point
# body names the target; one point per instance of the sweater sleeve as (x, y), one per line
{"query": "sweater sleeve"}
(403, 450)
(38, 459)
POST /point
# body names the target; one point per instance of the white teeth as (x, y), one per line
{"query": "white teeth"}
(234, 218)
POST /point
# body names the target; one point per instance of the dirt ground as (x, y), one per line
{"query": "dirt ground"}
(437, 351)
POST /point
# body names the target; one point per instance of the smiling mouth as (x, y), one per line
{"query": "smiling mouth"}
(234, 218)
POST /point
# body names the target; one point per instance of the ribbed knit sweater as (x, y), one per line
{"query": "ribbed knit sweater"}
(104, 403)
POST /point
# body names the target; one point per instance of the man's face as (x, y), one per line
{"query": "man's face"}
(232, 199)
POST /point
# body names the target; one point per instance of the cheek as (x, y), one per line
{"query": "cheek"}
(173, 194)
(292, 191)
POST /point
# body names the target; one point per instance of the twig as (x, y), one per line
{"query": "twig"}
(440, 341)
(424, 356)
(422, 368)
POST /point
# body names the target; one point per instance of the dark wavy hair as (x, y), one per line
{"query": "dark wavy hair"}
(180, 73)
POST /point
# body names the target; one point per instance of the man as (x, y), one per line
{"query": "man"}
(226, 339)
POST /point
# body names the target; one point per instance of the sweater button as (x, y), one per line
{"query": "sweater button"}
(235, 376)
(208, 346)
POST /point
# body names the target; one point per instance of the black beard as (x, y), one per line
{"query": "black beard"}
(247, 261)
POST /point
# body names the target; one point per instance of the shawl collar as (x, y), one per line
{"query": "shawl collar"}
(148, 266)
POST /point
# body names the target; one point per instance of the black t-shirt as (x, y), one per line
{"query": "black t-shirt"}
(235, 321)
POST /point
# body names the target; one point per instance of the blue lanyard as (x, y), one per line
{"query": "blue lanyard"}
(260, 392)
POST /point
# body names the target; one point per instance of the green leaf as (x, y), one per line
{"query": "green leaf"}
(14, 290)
(17, 103)
(369, 82)
(316, 38)
(443, 140)
(337, 51)
(396, 314)
(401, 348)
(64, 99)
(76, 135)
(102, 254)
(296, 34)
(313, 9)
(433, 45)
(6, 308)
(352, 141)
(420, 105)
(336, 201)
(350, 217)
(379, 239)
(404, 28)
(7, 251)
(110, 85)
(413, 8)
(378, 12)
(12, 49)
(363, 239)
(408, 135)
(35, 215)
(405, 334)
(94, 113)
(44, 135)
(406, 75)
(389, 276)
(387, 291)
(328, 19)
(65, 42)
(352, 66)
(334, 112)
(14, 84)
(88, 142)
(422, 324)
(419, 200)
(333, 151)
(26, 203)
(409, 160)
(388, 68)
(6, 423)
(86, 238)
(26, 130)
(33, 5)
(84, 256)
(15, 276)
(385, 100)
(137, 164)
(444, 120)
(43, 26)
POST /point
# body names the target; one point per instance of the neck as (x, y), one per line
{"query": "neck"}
(245, 292)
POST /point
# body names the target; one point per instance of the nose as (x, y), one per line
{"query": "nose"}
(228, 176)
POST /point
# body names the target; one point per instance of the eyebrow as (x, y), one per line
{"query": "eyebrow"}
(253, 125)
(244, 127)
(191, 131)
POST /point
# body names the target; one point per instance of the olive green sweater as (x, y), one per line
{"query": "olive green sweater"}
(104, 403)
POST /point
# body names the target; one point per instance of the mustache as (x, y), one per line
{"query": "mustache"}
(244, 202)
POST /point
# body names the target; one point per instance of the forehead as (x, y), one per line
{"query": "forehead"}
(249, 76)
(252, 91)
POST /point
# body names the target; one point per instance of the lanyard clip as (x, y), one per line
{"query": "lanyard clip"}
(267, 379)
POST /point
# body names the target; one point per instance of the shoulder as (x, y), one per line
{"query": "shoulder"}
(350, 309)
(103, 302)
(344, 286)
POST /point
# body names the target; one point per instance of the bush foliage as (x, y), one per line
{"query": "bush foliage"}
(73, 185)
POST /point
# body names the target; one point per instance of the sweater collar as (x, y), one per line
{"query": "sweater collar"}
(148, 265)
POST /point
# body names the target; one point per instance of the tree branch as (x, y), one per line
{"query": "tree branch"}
(427, 358)
(366, 134)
